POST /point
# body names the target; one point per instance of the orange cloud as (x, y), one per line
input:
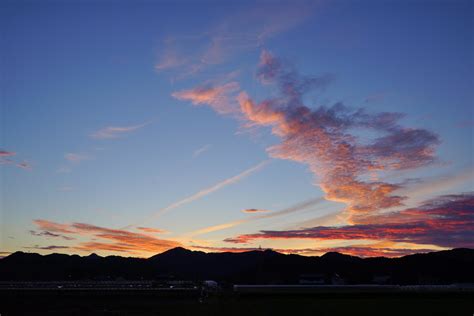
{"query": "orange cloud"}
(108, 239)
(446, 221)
(53, 227)
(218, 97)
(152, 230)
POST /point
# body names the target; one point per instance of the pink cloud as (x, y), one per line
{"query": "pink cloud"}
(446, 221)
(7, 161)
(4, 153)
(53, 227)
(107, 239)
(76, 157)
(218, 97)
(115, 131)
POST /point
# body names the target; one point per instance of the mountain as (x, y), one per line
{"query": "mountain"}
(257, 267)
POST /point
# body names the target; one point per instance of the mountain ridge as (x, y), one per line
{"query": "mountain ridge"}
(253, 267)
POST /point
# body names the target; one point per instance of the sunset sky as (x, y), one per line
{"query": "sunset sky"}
(132, 127)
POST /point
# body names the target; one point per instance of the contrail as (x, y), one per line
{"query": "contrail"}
(206, 191)
(295, 208)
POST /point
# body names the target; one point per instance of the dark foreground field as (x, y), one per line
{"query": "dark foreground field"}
(143, 303)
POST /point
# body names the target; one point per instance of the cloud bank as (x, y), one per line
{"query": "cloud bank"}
(107, 239)
(446, 221)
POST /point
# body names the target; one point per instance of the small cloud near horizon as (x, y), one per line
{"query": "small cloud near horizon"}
(254, 210)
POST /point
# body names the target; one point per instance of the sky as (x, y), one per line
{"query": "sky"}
(132, 127)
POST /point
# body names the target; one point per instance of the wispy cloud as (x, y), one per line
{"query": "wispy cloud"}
(218, 97)
(107, 239)
(52, 247)
(215, 187)
(24, 165)
(76, 157)
(201, 150)
(53, 226)
(6, 159)
(207, 191)
(46, 233)
(4, 153)
(236, 33)
(254, 210)
(292, 209)
(152, 230)
(116, 131)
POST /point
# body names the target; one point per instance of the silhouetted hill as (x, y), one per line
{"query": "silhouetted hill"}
(263, 267)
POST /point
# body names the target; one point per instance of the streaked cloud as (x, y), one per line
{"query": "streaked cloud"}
(4, 153)
(116, 131)
(53, 226)
(152, 230)
(201, 150)
(6, 159)
(108, 239)
(170, 58)
(24, 165)
(255, 210)
(4, 254)
(46, 233)
(51, 247)
(446, 221)
(76, 157)
(292, 209)
(212, 189)
(236, 33)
